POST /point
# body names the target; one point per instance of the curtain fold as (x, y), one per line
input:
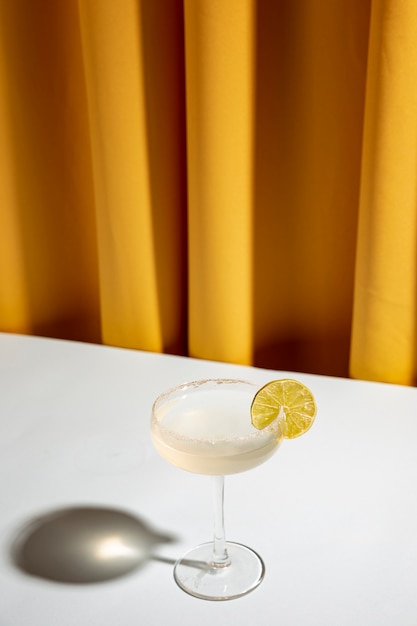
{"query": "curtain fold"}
(310, 87)
(49, 282)
(219, 77)
(135, 90)
(384, 343)
(230, 180)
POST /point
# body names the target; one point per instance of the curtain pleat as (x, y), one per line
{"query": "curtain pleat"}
(233, 180)
(48, 272)
(384, 342)
(135, 96)
(310, 87)
(219, 77)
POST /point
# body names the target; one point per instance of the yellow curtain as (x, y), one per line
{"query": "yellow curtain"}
(384, 340)
(228, 180)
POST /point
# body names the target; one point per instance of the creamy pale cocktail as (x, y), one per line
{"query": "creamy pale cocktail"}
(211, 432)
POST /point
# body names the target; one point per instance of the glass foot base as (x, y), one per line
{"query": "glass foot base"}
(196, 574)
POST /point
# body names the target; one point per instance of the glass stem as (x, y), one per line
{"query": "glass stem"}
(220, 556)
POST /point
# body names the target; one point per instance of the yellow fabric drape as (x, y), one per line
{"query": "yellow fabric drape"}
(48, 260)
(384, 344)
(230, 180)
(219, 78)
(134, 81)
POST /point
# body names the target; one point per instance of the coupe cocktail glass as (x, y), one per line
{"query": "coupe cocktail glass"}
(205, 427)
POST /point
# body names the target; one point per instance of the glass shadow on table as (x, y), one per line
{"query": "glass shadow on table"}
(84, 545)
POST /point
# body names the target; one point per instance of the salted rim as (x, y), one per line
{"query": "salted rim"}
(272, 428)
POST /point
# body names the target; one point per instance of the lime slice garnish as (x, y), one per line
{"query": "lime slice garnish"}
(288, 399)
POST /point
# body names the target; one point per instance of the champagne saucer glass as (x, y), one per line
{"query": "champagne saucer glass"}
(205, 427)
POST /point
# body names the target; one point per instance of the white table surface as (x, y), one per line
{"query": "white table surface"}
(333, 513)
